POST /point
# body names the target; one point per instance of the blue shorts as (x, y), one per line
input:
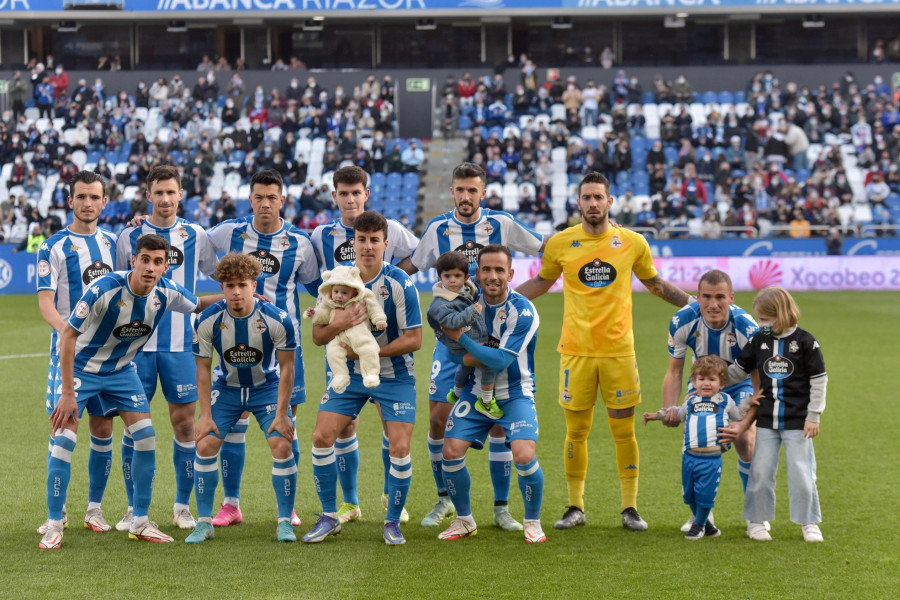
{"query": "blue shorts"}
(298, 392)
(700, 475)
(177, 373)
(519, 421)
(228, 403)
(397, 399)
(443, 373)
(110, 393)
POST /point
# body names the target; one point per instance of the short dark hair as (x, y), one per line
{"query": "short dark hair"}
(151, 241)
(87, 177)
(496, 249)
(469, 170)
(163, 173)
(350, 175)
(451, 260)
(267, 177)
(593, 177)
(715, 277)
(371, 221)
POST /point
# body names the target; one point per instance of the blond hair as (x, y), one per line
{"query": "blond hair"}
(777, 302)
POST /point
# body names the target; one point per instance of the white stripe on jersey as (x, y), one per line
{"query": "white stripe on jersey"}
(701, 428)
(445, 233)
(190, 253)
(246, 347)
(512, 325)
(114, 322)
(332, 248)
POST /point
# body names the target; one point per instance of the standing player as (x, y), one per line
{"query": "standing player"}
(334, 245)
(67, 263)
(713, 325)
(190, 252)
(397, 393)
(512, 323)
(596, 346)
(287, 259)
(247, 335)
(467, 229)
(111, 321)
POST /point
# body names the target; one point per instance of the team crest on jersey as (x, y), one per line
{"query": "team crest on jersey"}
(566, 396)
(133, 330)
(82, 309)
(778, 367)
(730, 339)
(243, 355)
(432, 387)
(96, 270)
(597, 274)
(488, 229)
(270, 265)
(106, 242)
(43, 268)
(615, 242)
(196, 339)
(501, 315)
(793, 347)
(383, 292)
(182, 233)
(449, 423)
(260, 326)
(470, 250)
(156, 303)
(284, 242)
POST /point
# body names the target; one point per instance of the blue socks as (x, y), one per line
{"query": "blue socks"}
(399, 477)
(143, 466)
(183, 460)
(435, 453)
(206, 478)
(531, 484)
(458, 482)
(346, 451)
(701, 514)
(99, 464)
(500, 464)
(744, 472)
(59, 470)
(284, 482)
(325, 476)
(233, 453)
(127, 457)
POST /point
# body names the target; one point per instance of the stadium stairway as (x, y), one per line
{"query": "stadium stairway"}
(444, 154)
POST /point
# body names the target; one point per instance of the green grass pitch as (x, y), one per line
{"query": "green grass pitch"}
(857, 455)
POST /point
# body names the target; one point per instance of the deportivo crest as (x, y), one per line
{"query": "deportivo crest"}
(501, 315)
(106, 242)
(432, 387)
(182, 233)
(156, 303)
(284, 242)
(260, 326)
(488, 229)
(615, 242)
(566, 396)
(383, 292)
(793, 347)
(730, 339)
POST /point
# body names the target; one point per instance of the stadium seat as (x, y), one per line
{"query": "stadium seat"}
(726, 98)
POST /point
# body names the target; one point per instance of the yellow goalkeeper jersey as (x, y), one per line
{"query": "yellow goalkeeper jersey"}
(596, 272)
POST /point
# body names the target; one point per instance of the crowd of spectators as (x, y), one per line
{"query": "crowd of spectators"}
(772, 159)
(216, 129)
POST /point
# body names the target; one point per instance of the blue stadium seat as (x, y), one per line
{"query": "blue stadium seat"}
(648, 98)
(410, 179)
(726, 98)
(708, 97)
(93, 157)
(243, 207)
(466, 110)
(464, 123)
(112, 156)
(238, 156)
(638, 144)
(740, 97)
(893, 202)
(394, 181)
(671, 154)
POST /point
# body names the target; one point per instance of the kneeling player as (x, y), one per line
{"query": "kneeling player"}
(252, 340)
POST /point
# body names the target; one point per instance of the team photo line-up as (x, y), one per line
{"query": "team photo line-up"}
(119, 309)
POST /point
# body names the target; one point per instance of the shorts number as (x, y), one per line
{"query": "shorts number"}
(435, 369)
(462, 408)
(213, 396)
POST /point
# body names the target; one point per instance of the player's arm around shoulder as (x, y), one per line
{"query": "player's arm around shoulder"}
(667, 291)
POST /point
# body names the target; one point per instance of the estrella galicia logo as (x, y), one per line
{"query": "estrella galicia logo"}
(243, 355)
(778, 367)
(597, 274)
(133, 330)
(176, 257)
(270, 265)
(470, 250)
(345, 252)
(94, 271)
(704, 407)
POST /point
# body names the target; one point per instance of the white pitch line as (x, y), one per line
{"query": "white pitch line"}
(22, 355)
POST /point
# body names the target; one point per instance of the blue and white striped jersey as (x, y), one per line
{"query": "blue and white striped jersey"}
(397, 294)
(246, 346)
(512, 326)
(703, 416)
(67, 263)
(445, 233)
(333, 243)
(190, 252)
(287, 258)
(114, 322)
(688, 329)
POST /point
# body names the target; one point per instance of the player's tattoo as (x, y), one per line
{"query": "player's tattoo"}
(667, 291)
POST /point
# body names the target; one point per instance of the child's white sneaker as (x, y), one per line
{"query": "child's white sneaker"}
(757, 531)
(812, 533)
